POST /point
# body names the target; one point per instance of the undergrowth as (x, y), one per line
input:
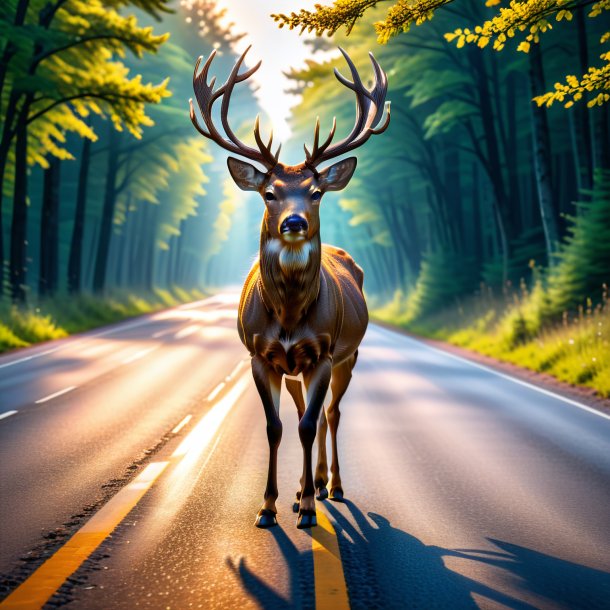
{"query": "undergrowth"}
(67, 314)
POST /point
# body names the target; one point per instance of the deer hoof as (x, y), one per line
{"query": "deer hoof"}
(336, 495)
(266, 518)
(306, 519)
(295, 506)
(322, 493)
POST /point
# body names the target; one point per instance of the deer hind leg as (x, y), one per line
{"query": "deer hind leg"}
(295, 389)
(321, 474)
(317, 382)
(341, 377)
(268, 383)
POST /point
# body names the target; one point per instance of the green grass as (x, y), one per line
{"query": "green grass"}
(64, 315)
(514, 328)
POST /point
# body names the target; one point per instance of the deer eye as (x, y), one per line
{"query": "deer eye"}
(269, 196)
(316, 196)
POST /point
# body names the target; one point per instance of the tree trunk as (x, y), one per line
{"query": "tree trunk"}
(5, 146)
(477, 237)
(504, 212)
(49, 234)
(75, 260)
(18, 262)
(103, 246)
(583, 121)
(542, 154)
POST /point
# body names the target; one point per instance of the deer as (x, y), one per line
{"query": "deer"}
(302, 314)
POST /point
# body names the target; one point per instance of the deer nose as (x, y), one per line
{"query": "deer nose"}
(294, 224)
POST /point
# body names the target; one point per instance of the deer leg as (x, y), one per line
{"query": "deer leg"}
(268, 383)
(321, 474)
(295, 389)
(342, 375)
(317, 383)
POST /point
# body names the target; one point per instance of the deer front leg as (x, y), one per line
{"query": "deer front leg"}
(268, 383)
(317, 383)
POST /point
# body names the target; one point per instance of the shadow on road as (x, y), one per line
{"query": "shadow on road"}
(386, 567)
(300, 567)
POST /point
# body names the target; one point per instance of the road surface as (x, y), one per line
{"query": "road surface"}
(133, 462)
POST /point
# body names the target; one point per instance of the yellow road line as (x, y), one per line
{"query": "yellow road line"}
(34, 592)
(329, 579)
(42, 584)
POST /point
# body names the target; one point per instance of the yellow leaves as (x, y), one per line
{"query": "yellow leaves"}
(490, 3)
(564, 14)
(524, 46)
(483, 42)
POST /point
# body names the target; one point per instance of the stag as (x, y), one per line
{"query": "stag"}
(302, 313)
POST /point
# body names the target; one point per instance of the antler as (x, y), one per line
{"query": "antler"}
(369, 111)
(206, 96)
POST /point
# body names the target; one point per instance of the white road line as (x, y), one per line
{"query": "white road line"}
(497, 373)
(181, 425)
(56, 394)
(216, 391)
(162, 333)
(185, 332)
(19, 361)
(201, 435)
(236, 370)
(139, 355)
(121, 327)
(7, 414)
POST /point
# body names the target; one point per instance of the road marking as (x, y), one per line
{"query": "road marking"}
(56, 394)
(498, 374)
(42, 584)
(329, 579)
(181, 425)
(162, 333)
(216, 391)
(36, 590)
(7, 414)
(201, 435)
(139, 355)
(185, 332)
(237, 368)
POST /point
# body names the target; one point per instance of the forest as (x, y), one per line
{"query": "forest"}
(481, 217)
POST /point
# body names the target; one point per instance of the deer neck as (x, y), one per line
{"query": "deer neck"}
(290, 276)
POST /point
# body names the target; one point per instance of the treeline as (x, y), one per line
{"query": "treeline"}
(473, 182)
(103, 179)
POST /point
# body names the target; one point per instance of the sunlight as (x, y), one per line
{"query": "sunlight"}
(279, 50)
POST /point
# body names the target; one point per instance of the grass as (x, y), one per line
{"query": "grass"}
(513, 327)
(64, 315)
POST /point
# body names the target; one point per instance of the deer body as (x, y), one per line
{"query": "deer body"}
(302, 311)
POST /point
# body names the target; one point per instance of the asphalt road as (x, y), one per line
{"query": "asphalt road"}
(465, 488)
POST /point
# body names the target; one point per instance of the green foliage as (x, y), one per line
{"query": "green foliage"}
(525, 20)
(584, 260)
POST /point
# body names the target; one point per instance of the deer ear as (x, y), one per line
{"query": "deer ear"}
(336, 177)
(246, 176)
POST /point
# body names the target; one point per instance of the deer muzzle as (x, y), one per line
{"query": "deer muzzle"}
(294, 228)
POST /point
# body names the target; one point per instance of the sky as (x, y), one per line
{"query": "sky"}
(278, 49)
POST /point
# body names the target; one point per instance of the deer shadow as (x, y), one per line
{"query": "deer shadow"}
(385, 567)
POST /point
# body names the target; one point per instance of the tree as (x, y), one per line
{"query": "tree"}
(524, 20)
(60, 75)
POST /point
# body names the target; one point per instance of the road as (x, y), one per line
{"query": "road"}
(133, 462)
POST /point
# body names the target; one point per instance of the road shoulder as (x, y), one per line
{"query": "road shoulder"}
(584, 395)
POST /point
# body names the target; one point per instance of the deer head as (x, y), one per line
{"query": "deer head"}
(291, 193)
